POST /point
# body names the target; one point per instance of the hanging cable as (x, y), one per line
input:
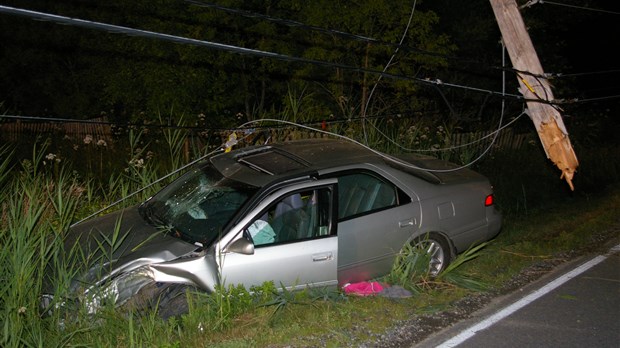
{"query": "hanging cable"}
(147, 186)
(295, 24)
(230, 48)
(221, 148)
(530, 3)
(402, 39)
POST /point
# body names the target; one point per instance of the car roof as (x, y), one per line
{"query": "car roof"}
(262, 164)
(259, 165)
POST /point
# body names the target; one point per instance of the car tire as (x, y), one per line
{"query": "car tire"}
(438, 249)
(173, 300)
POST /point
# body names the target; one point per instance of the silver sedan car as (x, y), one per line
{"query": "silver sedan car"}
(301, 213)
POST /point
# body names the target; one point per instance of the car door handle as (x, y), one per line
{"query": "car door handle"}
(322, 257)
(406, 223)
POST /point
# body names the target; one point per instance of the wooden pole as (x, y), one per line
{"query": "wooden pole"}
(535, 88)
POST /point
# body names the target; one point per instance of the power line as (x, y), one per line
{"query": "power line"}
(397, 46)
(387, 65)
(615, 71)
(534, 2)
(241, 50)
(296, 24)
(549, 76)
(236, 49)
(558, 75)
(594, 99)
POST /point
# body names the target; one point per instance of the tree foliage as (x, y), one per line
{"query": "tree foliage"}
(76, 72)
(73, 72)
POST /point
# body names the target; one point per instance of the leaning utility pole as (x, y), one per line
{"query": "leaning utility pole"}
(535, 88)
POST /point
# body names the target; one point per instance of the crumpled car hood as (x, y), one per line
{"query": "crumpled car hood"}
(119, 242)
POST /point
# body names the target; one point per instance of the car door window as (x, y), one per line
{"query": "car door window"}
(297, 216)
(361, 193)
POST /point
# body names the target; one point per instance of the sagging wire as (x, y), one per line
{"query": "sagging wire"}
(443, 96)
(530, 3)
(229, 48)
(584, 100)
(334, 135)
(290, 23)
(376, 152)
(241, 50)
(543, 99)
(397, 160)
(372, 91)
(559, 75)
(233, 140)
(502, 127)
(225, 147)
(495, 133)
(346, 35)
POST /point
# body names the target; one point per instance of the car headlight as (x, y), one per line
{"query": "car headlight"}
(118, 290)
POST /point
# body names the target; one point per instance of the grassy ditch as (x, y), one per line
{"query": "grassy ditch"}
(42, 196)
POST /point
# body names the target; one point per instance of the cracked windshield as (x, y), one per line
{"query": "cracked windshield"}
(198, 205)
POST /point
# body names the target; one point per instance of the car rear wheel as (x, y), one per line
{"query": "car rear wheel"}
(437, 250)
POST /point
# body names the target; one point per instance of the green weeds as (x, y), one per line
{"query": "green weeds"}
(411, 270)
(35, 211)
(42, 195)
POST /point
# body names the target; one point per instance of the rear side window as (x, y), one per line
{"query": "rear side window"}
(362, 193)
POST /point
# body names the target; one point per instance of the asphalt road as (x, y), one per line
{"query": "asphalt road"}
(576, 306)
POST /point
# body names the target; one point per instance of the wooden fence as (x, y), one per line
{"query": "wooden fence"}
(98, 128)
(101, 129)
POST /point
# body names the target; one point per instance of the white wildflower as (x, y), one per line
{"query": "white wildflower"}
(137, 162)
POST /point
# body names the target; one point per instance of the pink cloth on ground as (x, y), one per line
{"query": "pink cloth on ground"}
(363, 288)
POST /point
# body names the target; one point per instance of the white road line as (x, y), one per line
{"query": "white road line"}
(471, 331)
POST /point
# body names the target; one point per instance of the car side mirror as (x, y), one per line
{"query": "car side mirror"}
(241, 246)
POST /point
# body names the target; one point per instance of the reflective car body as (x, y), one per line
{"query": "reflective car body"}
(302, 213)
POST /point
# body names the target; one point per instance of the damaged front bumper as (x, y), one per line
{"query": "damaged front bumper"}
(199, 270)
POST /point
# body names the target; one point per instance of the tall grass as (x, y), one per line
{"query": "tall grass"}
(40, 199)
(36, 209)
(5, 166)
(175, 141)
(411, 270)
(43, 194)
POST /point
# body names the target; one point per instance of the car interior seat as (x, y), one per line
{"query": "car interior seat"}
(286, 217)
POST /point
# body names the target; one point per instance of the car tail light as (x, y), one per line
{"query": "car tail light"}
(488, 201)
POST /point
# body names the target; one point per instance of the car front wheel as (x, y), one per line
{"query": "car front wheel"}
(167, 299)
(173, 300)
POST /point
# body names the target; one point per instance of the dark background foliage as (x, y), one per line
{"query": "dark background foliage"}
(66, 71)
(72, 72)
